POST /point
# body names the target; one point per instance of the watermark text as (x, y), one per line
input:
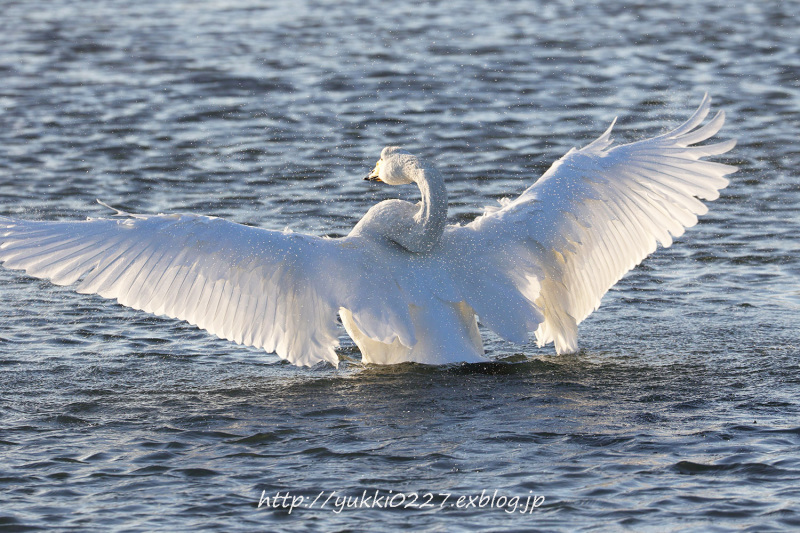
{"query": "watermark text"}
(339, 501)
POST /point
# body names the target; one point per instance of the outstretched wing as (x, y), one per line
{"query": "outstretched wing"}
(596, 214)
(276, 290)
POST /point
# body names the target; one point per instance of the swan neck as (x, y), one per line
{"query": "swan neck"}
(432, 214)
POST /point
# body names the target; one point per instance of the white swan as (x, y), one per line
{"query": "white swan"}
(407, 286)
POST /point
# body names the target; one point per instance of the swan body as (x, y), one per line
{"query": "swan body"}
(407, 286)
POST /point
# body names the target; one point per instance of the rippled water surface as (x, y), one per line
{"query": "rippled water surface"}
(680, 412)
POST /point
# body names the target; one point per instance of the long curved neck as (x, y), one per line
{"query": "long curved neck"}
(432, 215)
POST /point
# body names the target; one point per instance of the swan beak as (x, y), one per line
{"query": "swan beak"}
(373, 176)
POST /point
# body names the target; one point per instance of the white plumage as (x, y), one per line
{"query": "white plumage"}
(407, 287)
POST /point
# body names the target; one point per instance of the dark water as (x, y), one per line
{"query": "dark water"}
(681, 412)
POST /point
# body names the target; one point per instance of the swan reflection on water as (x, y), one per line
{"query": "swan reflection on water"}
(407, 286)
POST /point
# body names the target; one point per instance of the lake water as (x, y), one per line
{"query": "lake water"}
(680, 413)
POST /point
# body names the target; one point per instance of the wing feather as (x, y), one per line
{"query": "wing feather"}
(274, 290)
(596, 214)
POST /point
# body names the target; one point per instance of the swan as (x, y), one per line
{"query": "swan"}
(407, 286)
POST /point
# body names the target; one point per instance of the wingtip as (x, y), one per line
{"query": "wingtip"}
(703, 108)
(605, 139)
(117, 212)
(693, 121)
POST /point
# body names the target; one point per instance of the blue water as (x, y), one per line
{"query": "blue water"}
(679, 414)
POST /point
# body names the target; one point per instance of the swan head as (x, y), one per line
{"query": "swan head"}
(395, 167)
